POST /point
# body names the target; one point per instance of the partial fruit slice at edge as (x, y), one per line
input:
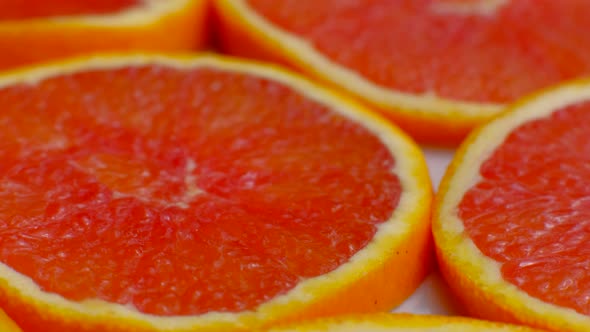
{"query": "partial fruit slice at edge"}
(40, 30)
(6, 324)
(168, 193)
(512, 216)
(438, 68)
(401, 323)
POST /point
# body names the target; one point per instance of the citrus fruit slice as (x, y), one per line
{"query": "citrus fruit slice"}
(401, 323)
(37, 30)
(436, 67)
(511, 222)
(172, 193)
(6, 324)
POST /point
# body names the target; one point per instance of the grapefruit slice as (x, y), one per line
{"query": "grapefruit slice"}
(436, 67)
(401, 323)
(511, 222)
(174, 194)
(37, 30)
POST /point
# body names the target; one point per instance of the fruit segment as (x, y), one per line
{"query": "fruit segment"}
(126, 197)
(438, 68)
(191, 192)
(39, 31)
(511, 222)
(531, 208)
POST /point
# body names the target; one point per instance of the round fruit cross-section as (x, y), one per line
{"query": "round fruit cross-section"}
(436, 67)
(200, 193)
(33, 31)
(512, 220)
(400, 323)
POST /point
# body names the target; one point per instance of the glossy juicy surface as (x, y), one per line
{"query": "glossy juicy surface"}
(182, 191)
(531, 209)
(430, 46)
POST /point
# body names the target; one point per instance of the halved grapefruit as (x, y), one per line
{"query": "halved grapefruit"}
(512, 223)
(436, 67)
(37, 30)
(401, 323)
(175, 194)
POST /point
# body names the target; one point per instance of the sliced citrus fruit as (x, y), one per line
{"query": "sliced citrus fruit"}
(6, 324)
(436, 67)
(37, 30)
(401, 323)
(511, 222)
(172, 193)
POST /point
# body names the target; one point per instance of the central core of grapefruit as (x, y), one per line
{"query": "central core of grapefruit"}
(535, 197)
(143, 179)
(28, 9)
(183, 191)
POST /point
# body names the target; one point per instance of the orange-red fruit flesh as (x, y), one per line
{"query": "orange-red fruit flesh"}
(413, 46)
(180, 192)
(530, 210)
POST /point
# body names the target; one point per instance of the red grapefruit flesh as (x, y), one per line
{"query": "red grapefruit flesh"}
(511, 220)
(437, 68)
(414, 47)
(535, 195)
(109, 195)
